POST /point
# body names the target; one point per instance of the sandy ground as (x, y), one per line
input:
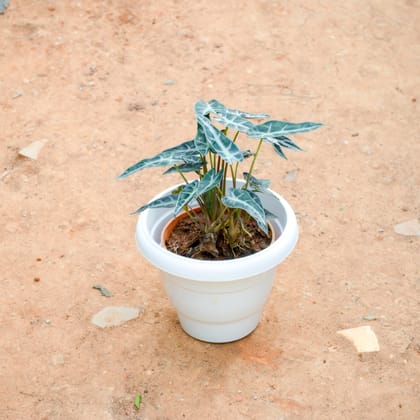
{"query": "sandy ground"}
(106, 83)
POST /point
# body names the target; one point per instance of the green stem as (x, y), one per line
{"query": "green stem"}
(236, 136)
(219, 222)
(212, 160)
(203, 159)
(233, 174)
(253, 164)
(225, 171)
(219, 162)
(181, 174)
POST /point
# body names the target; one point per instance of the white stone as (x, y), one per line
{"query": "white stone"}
(363, 338)
(112, 316)
(409, 228)
(32, 150)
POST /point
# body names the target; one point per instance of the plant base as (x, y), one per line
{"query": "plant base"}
(184, 237)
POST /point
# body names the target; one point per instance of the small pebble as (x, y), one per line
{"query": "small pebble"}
(104, 291)
(135, 107)
(114, 315)
(363, 338)
(17, 94)
(32, 150)
(409, 228)
(366, 149)
(369, 317)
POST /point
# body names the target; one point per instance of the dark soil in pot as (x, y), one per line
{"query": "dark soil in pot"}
(184, 237)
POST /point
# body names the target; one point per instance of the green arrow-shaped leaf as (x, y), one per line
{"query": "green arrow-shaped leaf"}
(163, 202)
(218, 108)
(232, 118)
(284, 141)
(281, 128)
(234, 121)
(188, 193)
(257, 185)
(219, 143)
(185, 167)
(203, 108)
(279, 151)
(187, 147)
(183, 152)
(280, 142)
(249, 202)
(152, 162)
(200, 141)
(209, 181)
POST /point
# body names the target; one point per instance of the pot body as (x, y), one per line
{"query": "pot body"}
(218, 301)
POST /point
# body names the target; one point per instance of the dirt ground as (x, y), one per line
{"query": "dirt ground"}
(106, 83)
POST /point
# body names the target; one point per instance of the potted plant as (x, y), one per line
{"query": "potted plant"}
(228, 230)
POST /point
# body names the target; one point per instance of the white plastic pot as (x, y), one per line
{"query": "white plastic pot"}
(218, 301)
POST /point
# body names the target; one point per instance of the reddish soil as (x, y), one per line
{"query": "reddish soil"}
(108, 82)
(186, 237)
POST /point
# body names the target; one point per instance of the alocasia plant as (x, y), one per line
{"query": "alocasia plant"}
(213, 157)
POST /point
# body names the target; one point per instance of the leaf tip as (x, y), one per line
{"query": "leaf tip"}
(138, 211)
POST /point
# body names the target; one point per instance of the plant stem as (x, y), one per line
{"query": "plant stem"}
(219, 161)
(236, 136)
(219, 222)
(181, 174)
(232, 172)
(253, 164)
(225, 172)
(212, 159)
(203, 159)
